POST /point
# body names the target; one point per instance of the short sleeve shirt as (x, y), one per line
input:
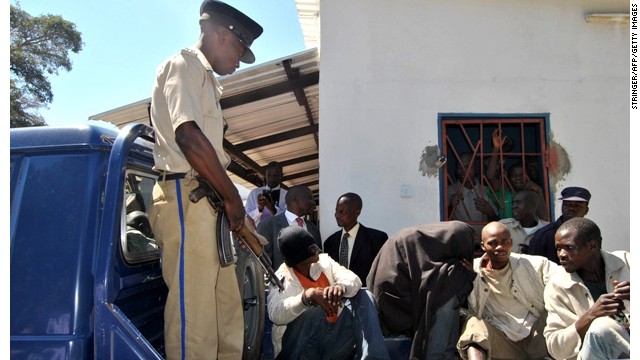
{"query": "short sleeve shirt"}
(185, 90)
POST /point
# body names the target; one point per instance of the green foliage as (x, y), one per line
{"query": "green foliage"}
(39, 47)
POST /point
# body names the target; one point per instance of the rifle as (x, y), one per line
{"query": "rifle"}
(254, 241)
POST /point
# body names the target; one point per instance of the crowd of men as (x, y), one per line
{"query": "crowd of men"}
(538, 290)
(517, 304)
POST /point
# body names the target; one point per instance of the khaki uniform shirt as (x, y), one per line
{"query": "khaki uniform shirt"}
(519, 235)
(185, 90)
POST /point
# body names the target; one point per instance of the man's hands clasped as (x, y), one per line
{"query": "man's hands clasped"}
(329, 298)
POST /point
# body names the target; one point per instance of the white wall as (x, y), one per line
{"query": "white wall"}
(388, 68)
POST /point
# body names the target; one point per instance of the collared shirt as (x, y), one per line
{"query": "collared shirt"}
(251, 205)
(291, 218)
(185, 90)
(530, 274)
(504, 311)
(519, 235)
(567, 298)
(284, 307)
(351, 239)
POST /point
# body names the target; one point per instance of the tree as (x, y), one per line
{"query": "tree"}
(39, 47)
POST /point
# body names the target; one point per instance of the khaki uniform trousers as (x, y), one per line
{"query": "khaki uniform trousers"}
(203, 315)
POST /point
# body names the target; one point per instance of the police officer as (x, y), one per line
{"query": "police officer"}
(203, 314)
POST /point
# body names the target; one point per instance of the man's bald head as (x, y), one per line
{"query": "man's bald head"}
(497, 243)
(493, 228)
(299, 200)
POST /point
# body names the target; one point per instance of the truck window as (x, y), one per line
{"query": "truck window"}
(137, 238)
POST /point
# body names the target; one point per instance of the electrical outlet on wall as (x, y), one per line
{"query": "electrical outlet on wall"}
(405, 190)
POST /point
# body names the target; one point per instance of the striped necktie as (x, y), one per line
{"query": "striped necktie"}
(300, 222)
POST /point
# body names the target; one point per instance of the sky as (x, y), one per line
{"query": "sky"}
(125, 40)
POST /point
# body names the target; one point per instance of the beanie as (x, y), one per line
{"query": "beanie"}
(294, 243)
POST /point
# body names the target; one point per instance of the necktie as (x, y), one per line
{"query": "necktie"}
(300, 222)
(344, 250)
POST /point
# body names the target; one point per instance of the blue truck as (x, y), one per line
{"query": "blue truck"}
(85, 272)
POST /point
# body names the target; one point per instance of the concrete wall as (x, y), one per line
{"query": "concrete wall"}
(388, 68)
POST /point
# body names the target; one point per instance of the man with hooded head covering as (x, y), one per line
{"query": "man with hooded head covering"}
(419, 282)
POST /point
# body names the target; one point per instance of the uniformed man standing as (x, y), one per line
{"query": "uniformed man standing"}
(203, 314)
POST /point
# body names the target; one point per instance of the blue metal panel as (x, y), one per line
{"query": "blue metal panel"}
(64, 232)
(52, 249)
(116, 335)
(51, 137)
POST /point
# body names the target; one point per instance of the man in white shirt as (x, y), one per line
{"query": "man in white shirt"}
(268, 200)
(525, 222)
(300, 204)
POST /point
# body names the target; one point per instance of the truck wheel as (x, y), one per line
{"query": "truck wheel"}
(252, 293)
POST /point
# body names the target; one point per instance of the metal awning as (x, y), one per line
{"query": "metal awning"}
(272, 113)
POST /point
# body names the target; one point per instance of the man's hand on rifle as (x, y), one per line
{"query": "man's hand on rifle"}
(235, 212)
(251, 225)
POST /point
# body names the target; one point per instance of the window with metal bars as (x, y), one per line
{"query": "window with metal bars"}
(489, 159)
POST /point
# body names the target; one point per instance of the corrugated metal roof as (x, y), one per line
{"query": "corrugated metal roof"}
(272, 113)
(309, 18)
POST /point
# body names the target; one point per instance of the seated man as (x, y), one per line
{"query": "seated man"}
(311, 320)
(419, 282)
(588, 303)
(506, 307)
(524, 223)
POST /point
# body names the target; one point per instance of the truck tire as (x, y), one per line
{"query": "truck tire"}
(251, 281)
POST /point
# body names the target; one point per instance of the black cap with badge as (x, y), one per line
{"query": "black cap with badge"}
(575, 193)
(238, 23)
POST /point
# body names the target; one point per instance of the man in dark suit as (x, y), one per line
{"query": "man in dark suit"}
(300, 203)
(361, 245)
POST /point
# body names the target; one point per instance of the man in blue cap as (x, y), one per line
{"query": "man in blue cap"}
(203, 313)
(575, 203)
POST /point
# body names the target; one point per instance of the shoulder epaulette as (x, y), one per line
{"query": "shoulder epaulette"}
(189, 51)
